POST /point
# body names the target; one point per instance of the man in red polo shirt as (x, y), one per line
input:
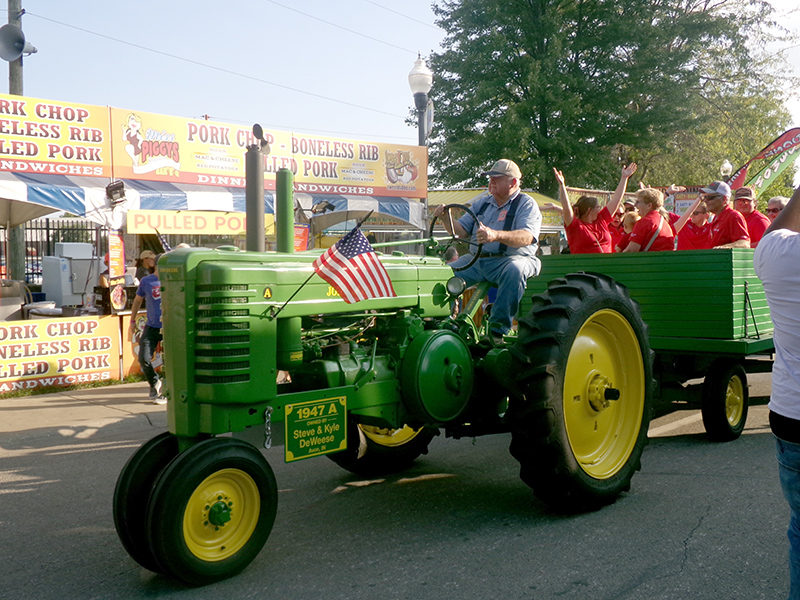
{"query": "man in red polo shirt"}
(728, 229)
(744, 199)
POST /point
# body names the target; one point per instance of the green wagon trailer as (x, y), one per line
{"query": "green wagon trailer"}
(708, 319)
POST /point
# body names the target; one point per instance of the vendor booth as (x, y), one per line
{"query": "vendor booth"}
(133, 174)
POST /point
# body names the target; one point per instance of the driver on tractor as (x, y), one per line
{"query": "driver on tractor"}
(508, 227)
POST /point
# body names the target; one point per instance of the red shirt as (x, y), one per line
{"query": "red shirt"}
(623, 242)
(728, 226)
(673, 218)
(617, 233)
(646, 228)
(592, 238)
(757, 224)
(693, 237)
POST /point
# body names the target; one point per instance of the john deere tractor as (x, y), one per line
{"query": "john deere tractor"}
(368, 385)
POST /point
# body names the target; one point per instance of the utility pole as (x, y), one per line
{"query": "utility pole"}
(15, 236)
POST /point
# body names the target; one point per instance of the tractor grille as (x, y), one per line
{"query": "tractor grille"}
(222, 341)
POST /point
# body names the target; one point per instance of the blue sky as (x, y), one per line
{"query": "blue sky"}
(263, 40)
(248, 43)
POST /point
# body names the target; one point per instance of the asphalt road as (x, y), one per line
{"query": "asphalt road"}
(702, 521)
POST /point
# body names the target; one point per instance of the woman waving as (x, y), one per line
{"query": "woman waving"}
(587, 223)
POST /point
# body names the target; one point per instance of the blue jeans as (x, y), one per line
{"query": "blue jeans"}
(789, 470)
(511, 274)
(147, 347)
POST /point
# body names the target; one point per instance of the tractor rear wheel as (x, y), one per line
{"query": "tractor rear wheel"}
(376, 451)
(586, 380)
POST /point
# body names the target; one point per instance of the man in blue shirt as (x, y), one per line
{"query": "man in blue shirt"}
(508, 227)
(150, 290)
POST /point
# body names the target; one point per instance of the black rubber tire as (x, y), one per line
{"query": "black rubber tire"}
(584, 472)
(381, 458)
(725, 401)
(132, 494)
(454, 240)
(213, 472)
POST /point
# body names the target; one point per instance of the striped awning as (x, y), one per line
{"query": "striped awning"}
(28, 196)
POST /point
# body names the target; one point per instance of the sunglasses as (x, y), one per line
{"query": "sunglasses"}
(699, 212)
(774, 210)
(713, 197)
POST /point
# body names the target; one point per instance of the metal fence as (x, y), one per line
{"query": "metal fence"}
(41, 236)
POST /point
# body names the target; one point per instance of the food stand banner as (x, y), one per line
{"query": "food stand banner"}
(62, 155)
(194, 222)
(54, 138)
(58, 352)
(173, 149)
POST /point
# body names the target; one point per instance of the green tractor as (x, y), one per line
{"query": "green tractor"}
(368, 385)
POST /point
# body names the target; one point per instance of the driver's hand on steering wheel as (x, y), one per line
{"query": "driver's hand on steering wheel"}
(484, 235)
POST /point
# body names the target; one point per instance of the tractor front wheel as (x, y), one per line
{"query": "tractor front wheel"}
(132, 493)
(579, 424)
(212, 510)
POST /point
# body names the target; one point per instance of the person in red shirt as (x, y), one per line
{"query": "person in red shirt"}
(628, 223)
(615, 228)
(744, 199)
(693, 232)
(728, 229)
(652, 232)
(587, 223)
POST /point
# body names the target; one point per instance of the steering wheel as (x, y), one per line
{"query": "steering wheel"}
(450, 216)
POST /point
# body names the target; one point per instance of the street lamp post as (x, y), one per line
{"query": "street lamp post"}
(420, 80)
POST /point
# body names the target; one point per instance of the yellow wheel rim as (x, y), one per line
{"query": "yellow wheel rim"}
(605, 357)
(390, 437)
(221, 515)
(734, 401)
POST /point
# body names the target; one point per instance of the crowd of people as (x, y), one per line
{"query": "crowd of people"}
(718, 218)
(507, 223)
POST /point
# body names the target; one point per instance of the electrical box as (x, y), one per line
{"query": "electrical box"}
(71, 275)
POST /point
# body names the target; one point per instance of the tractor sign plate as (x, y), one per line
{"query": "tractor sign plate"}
(315, 428)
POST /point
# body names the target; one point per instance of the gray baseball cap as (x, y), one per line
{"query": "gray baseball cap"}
(504, 167)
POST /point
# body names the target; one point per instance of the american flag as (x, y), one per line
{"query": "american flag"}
(353, 269)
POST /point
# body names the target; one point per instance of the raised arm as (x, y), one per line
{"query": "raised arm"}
(687, 214)
(616, 197)
(566, 207)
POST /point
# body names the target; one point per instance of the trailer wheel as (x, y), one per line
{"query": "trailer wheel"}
(212, 510)
(376, 451)
(579, 424)
(132, 493)
(725, 401)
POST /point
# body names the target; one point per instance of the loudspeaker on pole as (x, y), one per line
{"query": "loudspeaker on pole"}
(13, 44)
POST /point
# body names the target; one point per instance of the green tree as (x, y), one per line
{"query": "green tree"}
(731, 128)
(583, 85)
